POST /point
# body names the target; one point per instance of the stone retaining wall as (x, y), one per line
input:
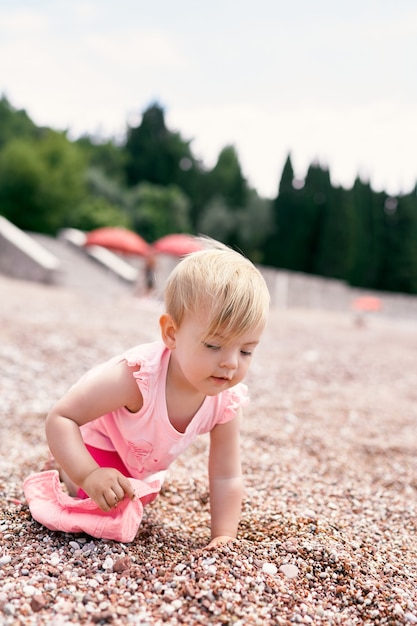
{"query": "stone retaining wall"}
(22, 257)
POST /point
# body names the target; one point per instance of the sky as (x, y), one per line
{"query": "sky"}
(323, 81)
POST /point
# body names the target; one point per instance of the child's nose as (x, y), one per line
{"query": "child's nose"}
(230, 360)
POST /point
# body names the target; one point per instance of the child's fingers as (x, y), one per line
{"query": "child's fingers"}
(109, 501)
(127, 487)
(117, 493)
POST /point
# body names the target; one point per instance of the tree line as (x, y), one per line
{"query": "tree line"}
(151, 182)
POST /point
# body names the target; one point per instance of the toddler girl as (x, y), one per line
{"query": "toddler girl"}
(132, 416)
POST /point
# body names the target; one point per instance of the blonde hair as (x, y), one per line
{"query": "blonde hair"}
(221, 282)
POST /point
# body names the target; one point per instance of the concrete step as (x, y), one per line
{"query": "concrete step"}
(80, 271)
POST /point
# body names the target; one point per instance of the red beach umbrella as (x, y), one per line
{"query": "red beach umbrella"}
(177, 244)
(367, 303)
(119, 240)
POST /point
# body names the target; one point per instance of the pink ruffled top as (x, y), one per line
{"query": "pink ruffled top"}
(146, 441)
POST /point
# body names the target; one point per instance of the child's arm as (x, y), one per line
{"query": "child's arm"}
(113, 388)
(226, 484)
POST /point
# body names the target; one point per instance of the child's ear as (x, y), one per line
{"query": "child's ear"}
(168, 330)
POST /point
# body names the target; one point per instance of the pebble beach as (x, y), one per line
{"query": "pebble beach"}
(329, 445)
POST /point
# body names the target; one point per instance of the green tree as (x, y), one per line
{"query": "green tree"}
(243, 229)
(295, 220)
(226, 187)
(105, 156)
(15, 124)
(107, 188)
(335, 248)
(399, 263)
(216, 220)
(155, 154)
(367, 224)
(41, 182)
(316, 200)
(279, 241)
(226, 179)
(157, 211)
(254, 222)
(96, 211)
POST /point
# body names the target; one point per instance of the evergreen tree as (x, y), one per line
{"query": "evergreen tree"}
(315, 200)
(280, 243)
(367, 227)
(155, 154)
(161, 157)
(297, 215)
(399, 264)
(226, 179)
(226, 186)
(335, 248)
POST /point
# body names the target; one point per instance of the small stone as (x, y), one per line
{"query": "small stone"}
(122, 610)
(168, 608)
(103, 606)
(102, 618)
(9, 609)
(122, 564)
(4, 560)
(108, 563)
(177, 604)
(38, 602)
(179, 568)
(269, 568)
(289, 570)
(65, 607)
(29, 590)
(93, 583)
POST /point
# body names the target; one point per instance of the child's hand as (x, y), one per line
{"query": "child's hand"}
(107, 487)
(219, 541)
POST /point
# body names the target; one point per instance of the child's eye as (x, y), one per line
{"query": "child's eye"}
(246, 353)
(211, 346)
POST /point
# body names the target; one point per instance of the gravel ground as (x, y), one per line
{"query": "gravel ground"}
(328, 529)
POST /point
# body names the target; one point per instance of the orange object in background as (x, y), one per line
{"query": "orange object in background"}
(367, 303)
(177, 244)
(119, 240)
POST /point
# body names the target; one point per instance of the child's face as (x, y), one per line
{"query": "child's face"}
(214, 364)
